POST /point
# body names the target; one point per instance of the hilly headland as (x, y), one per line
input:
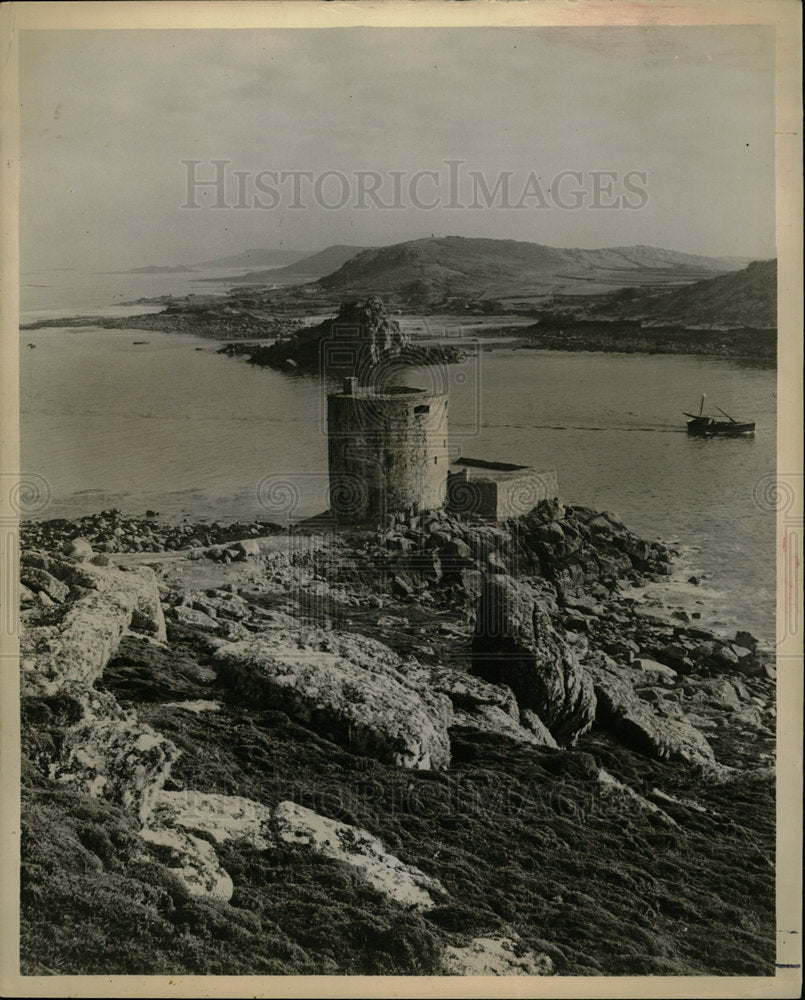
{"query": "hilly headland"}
(635, 299)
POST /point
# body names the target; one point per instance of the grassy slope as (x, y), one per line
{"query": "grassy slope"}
(520, 838)
(743, 298)
(484, 268)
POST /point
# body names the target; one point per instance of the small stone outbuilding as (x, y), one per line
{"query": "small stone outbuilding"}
(497, 490)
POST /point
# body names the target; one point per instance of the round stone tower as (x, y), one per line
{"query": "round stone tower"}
(387, 451)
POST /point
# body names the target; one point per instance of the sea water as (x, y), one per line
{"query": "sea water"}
(173, 426)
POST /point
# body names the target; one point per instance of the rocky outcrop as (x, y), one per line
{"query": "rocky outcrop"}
(347, 687)
(405, 884)
(494, 956)
(73, 642)
(272, 633)
(487, 708)
(361, 331)
(515, 644)
(621, 711)
(106, 751)
(221, 817)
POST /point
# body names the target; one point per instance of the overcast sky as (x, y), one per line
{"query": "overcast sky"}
(108, 117)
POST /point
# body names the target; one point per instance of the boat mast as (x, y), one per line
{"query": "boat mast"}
(726, 414)
(701, 405)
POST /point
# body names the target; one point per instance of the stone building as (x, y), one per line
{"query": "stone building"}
(497, 490)
(387, 451)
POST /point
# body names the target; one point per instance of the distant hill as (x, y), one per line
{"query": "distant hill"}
(309, 269)
(434, 270)
(746, 298)
(257, 258)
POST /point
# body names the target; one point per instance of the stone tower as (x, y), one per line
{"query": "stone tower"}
(387, 451)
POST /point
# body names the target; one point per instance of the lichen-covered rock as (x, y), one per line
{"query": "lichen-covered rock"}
(40, 580)
(193, 861)
(116, 757)
(223, 817)
(74, 642)
(406, 884)
(347, 687)
(516, 645)
(634, 722)
(494, 956)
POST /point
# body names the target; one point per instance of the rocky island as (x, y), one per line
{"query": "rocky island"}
(362, 337)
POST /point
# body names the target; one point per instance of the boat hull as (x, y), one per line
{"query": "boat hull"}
(707, 427)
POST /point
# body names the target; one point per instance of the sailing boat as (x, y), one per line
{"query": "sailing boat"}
(702, 426)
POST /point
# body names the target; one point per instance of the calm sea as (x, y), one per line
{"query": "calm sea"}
(172, 426)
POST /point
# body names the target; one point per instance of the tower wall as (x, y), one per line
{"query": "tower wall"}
(387, 452)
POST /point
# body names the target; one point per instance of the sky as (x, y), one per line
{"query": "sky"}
(571, 137)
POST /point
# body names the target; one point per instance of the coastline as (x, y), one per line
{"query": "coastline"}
(674, 776)
(758, 345)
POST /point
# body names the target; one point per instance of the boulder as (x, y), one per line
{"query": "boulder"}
(718, 691)
(675, 656)
(466, 691)
(361, 850)
(472, 580)
(247, 547)
(515, 644)
(116, 757)
(193, 861)
(633, 721)
(222, 817)
(494, 956)
(194, 618)
(41, 581)
(75, 644)
(78, 548)
(655, 670)
(487, 708)
(533, 723)
(491, 719)
(346, 687)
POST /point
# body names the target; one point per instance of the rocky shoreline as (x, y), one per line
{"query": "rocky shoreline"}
(244, 325)
(444, 748)
(635, 337)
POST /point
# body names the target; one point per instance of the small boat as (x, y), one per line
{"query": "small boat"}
(31, 347)
(141, 341)
(703, 426)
